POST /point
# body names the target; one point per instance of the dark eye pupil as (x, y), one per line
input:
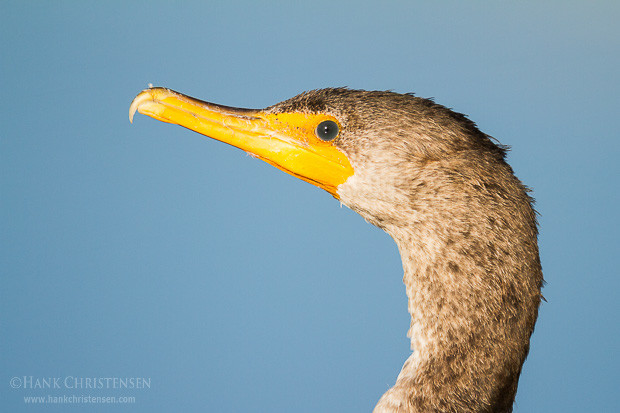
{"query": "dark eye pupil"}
(327, 130)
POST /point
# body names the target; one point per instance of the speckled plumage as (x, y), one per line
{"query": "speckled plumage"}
(467, 234)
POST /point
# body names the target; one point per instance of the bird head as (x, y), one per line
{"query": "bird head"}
(364, 148)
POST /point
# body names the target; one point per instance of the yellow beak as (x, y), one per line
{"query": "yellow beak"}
(285, 140)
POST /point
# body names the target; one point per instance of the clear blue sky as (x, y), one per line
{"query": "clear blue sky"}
(146, 250)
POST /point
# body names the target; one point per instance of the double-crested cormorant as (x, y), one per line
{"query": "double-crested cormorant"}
(464, 224)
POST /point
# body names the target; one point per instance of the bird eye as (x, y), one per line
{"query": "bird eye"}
(327, 130)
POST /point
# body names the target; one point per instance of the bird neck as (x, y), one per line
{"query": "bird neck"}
(468, 339)
(468, 240)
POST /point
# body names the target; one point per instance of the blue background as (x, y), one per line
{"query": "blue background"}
(147, 250)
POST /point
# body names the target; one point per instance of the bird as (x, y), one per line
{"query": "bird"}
(464, 224)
